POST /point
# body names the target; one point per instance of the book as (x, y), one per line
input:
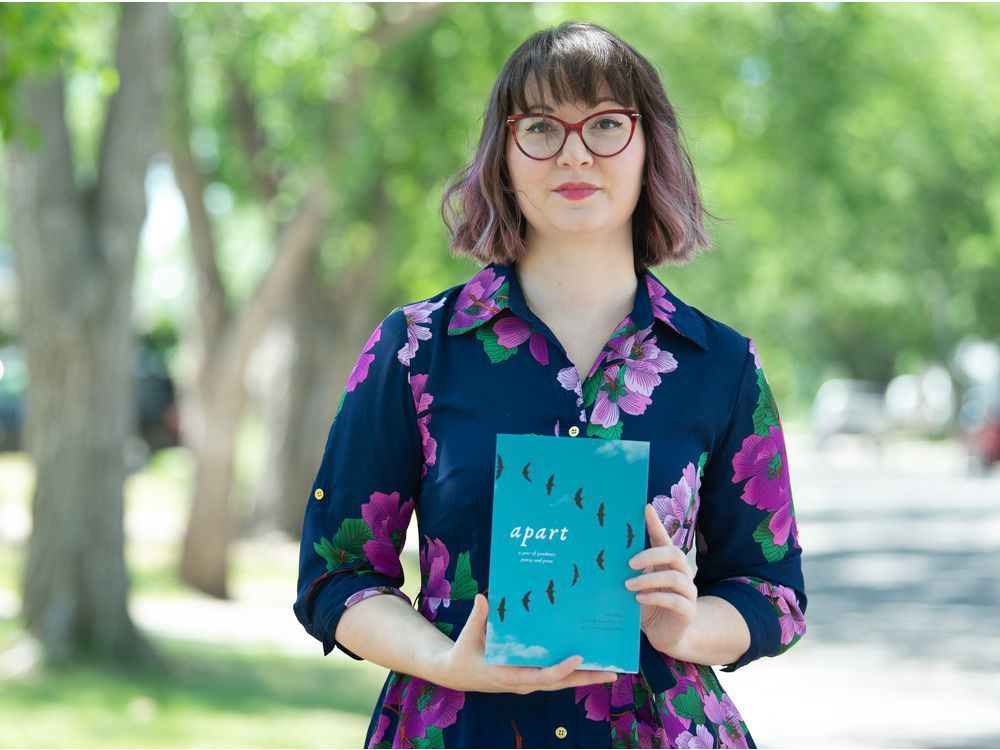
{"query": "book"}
(568, 515)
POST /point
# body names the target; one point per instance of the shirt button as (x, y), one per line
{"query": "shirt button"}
(318, 494)
(561, 732)
(574, 431)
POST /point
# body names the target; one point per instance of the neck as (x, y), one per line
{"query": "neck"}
(590, 280)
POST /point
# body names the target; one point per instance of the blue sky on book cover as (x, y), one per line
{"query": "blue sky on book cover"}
(568, 515)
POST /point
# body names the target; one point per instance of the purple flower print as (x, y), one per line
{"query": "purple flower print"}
(612, 399)
(375, 591)
(383, 723)
(762, 462)
(360, 370)
(511, 332)
(662, 307)
(476, 300)
(643, 360)
(724, 715)
(793, 622)
(418, 318)
(434, 559)
(388, 522)
(440, 707)
(569, 379)
(753, 351)
(597, 700)
(702, 739)
(623, 689)
(422, 402)
(672, 510)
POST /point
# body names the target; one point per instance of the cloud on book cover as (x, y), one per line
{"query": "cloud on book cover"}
(630, 450)
(502, 651)
(602, 667)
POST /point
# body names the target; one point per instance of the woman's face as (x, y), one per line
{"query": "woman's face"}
(618, 178)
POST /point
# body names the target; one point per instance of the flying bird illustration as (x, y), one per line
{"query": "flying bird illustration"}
(600, 514)
(578, 498)
(631, 535)
(499, 465)
(550, 484)
(525, 471)
(551, 591)
(525, 600)
(600, 559)
(502, 609)
(576, 574)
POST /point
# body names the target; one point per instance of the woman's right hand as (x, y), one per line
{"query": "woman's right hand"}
(463, 666)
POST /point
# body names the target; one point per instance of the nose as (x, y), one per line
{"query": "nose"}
(574, 151)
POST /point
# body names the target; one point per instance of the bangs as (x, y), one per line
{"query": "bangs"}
(574, 67)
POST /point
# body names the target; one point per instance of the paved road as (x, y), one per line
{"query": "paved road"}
(902, 567)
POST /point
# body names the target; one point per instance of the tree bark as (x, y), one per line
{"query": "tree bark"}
(75, 253)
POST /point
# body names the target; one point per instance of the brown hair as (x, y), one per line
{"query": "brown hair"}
(573, 58)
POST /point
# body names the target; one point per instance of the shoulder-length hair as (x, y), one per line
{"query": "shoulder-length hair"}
(574, 58)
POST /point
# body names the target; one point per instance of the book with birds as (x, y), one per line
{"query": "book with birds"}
(568, 515)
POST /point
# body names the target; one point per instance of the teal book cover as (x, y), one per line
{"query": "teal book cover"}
(568, 515)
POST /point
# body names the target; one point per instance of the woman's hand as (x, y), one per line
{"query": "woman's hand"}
(665, 589)
(463, 666)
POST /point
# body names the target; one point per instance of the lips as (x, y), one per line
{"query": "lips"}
(576, 186)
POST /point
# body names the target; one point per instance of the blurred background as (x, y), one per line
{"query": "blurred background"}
(207, 208)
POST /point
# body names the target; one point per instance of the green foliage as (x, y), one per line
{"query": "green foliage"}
(850, 150)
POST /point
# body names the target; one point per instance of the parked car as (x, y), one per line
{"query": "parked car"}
(979, 424)
(156, 407)
(843, 406)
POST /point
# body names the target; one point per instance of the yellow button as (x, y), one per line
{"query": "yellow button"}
(318, 494)
(574, 431)
(561, 732)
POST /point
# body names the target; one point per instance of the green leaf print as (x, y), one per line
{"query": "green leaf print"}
(765, 415)
(331, 554)
(340, 404)
(608, 433)
(702, 460)
(352, 535)
(765, 538)
(433, 737)
(464, 586)
(445, 627)
(592, 386)
(688, 705)
(491, 346)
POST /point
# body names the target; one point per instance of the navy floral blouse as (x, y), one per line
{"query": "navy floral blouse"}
(415, 431)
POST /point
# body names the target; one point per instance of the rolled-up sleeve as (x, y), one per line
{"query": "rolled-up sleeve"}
(748, 550)
(365, 491)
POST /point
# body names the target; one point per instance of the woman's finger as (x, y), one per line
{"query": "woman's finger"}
(676, 602)
(663, 579)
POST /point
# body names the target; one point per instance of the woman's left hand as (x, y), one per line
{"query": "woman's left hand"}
(666, 587)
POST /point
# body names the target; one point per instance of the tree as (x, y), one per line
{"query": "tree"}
(76, 248)
(273, 178)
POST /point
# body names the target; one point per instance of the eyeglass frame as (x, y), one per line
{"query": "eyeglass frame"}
(568, 128)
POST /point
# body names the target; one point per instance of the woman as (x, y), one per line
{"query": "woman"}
(580, 184)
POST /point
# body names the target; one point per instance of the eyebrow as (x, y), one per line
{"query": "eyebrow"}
(539, 106)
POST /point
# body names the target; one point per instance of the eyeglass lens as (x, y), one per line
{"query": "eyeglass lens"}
(542, 136)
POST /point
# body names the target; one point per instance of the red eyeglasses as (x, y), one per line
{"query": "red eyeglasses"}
(540, 136)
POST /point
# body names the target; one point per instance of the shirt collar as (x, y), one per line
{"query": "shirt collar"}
(495, 288)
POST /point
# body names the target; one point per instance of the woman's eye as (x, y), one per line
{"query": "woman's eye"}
(607, 120)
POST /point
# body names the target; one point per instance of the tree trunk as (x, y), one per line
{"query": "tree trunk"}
(328, 327)
(76, 256)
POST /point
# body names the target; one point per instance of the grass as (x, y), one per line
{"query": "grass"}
(214, 697)
(213, 694)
